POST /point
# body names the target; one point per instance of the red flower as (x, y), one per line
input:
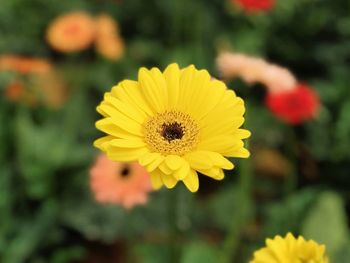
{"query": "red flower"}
(255, 5)
(294, 106)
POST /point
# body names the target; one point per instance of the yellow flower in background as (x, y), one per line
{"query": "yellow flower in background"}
(290, 250)
(71, 32)
(175, 123)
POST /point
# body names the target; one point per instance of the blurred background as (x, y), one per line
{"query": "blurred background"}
(57, 58)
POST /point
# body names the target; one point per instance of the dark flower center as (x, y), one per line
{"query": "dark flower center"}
(125, 171)
(172, 131)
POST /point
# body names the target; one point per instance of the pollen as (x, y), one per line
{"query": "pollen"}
(171, 132)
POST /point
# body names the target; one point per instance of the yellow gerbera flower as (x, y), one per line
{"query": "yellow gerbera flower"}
(290, 250)
(174, 123)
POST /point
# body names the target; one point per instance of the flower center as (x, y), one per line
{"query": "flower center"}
(171, 132)
(124, 171)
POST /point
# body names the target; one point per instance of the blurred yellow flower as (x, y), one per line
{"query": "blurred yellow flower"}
(71, 32)
(108, 41)
(175, 123)
(290, 250)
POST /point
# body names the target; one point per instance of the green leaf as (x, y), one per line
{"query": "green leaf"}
(200, 252)
(223, 207)
(326, 223)
(286, 216)
(30, 234)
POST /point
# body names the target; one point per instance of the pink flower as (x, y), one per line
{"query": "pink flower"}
(255, 70)
(127, 184)
(277, 78)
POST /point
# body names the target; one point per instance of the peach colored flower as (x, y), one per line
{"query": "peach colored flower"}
(126, 184)
(23, 64)
(71, 32)
(108, 41)
(255, 70)
(277, 79)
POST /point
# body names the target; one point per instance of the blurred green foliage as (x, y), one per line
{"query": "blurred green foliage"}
(47, 213)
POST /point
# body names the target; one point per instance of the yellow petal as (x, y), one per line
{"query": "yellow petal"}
(108, 126)
(238, 152)
(124, 154)
(191, 181)
(152, 93)
(219, 144)
(164, 168)
(242, 134)
(149, 158)
(173, 162)
(198, 160)
(220, 161)
(155, 163)
(133, 92)
(123, 123)
(161, 84)
(217, 91)
(100, 143)
(172, 77)
(128, 143)
(168, 180)
(119, 92)
(186, 87)
(156, 180)
(220, 127)
(181, 173)
(199, 93)
(128, 110)
(215, 173)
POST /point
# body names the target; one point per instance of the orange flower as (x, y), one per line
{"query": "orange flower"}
(126, 184)
(106, 26)
(71, 32)
(49, 88)
(108, 41)
(17, 91)
(24, 65)
(14, 90)
(45, 88)
(255, 70)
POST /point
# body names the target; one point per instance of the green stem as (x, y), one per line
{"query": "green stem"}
(291, 181)
(244, 201)
(174, 247)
